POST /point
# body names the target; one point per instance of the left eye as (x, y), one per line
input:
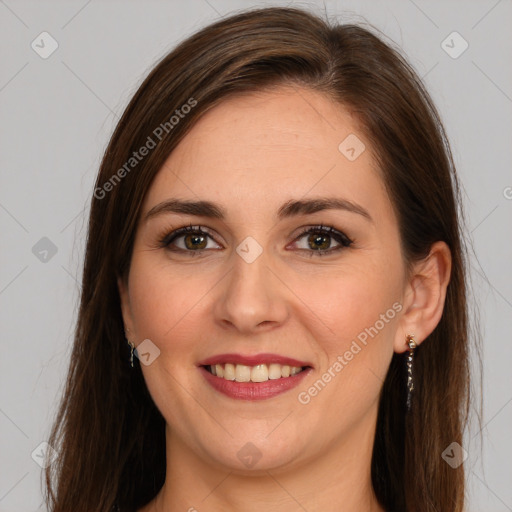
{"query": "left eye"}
(319, 239)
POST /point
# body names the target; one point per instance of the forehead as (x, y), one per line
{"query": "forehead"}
(270, 144)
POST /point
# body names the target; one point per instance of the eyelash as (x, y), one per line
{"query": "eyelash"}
(344, 241)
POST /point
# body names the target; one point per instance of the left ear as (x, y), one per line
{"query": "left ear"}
(425, 296)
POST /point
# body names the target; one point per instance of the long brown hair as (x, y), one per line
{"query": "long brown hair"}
(108, 432)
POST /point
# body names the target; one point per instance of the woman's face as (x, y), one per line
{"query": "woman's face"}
(252, 293)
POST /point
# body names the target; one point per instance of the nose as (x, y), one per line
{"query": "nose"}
(251, 298)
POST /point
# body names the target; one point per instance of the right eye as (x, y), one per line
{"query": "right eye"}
(193, 240)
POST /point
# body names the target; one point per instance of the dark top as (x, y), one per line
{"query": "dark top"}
(117, 508)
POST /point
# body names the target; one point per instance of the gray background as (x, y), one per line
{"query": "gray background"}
(56, 117)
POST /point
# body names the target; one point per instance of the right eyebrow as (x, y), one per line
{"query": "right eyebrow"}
(198, 208)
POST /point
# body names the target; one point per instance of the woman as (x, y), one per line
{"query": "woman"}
(275, 231)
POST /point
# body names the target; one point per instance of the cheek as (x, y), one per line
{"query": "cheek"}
(167, 308)
(361, 310)
(163, 301)
(351, 303)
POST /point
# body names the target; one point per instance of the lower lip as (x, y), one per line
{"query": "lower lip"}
(253, 390)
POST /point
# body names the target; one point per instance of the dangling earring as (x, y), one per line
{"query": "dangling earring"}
(132, 345)
(409, 362)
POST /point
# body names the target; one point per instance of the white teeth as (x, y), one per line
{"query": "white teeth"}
(229, 371)
(274, 371)
(242, 373)
(258, 373)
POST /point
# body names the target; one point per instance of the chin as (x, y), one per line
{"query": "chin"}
(253, 455)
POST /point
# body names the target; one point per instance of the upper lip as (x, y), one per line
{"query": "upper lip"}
(252, 360)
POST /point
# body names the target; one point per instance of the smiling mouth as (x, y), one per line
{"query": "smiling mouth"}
(257, 373)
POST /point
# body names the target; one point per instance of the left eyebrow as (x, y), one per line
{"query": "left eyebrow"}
(289, 209)
(309, 206)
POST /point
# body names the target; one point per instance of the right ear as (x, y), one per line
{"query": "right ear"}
(124, 296)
